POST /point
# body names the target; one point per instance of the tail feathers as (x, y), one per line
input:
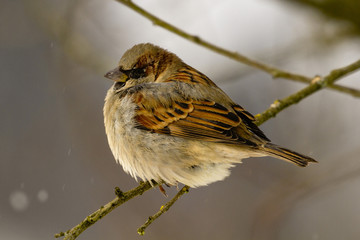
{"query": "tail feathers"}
(287, 155)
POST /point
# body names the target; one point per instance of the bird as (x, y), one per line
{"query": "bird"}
(167, 122)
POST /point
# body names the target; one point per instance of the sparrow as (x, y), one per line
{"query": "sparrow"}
(167, 122)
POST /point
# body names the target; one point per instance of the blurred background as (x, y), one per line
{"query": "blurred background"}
(56, 167)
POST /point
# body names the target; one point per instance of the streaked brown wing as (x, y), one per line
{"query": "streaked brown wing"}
(196, 119)
(207, 121)
(200, 120)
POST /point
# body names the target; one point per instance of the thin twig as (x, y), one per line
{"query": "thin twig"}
(317, 84)
(163, 209)
(274, 72)
(348, 90)
(104, 210)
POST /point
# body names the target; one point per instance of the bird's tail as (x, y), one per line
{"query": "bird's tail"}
(286, 154)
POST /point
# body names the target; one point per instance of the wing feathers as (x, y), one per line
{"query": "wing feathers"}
(202, 119)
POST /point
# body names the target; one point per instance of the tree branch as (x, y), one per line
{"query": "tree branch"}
(317, 84)
(163, 209)
(104, 210)
(274, 72)
(348, 90)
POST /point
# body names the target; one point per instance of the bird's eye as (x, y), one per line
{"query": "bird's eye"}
(137, 73)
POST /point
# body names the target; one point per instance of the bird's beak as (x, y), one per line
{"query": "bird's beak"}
(116, 75)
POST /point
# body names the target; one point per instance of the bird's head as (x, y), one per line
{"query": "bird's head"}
(145, 63)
